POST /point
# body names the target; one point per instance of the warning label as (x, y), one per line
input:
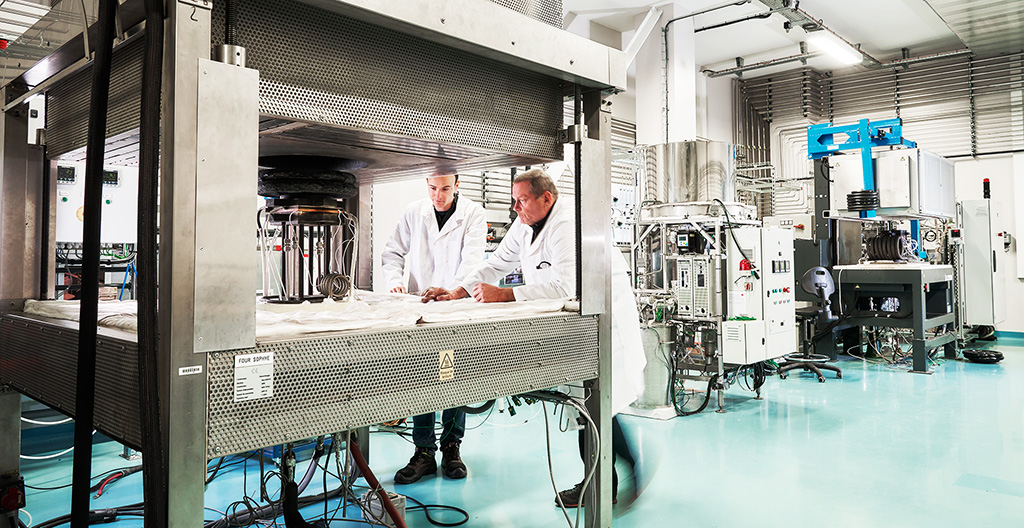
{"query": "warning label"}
(254, 376)
(446, 362)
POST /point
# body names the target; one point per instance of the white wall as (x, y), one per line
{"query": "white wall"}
(715, 108)
(389, 203)
(1002, 174)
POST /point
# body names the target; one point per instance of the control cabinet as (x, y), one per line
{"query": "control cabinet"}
(981, 269)
(760, 294)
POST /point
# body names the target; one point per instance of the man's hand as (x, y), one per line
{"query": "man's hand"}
(441, 294)
(490, 293)
(399, 289)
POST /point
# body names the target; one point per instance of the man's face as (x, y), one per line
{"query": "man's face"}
(441, 190)
(531, 209)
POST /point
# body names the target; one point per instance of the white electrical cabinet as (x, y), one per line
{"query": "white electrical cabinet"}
(119, 208)
(760, 304)
(981, 267)
(910, 182)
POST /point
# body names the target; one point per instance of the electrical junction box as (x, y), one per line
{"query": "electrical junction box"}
(802, 225)
(373, 508)
(118, 210)
(743, 342)
(910, 183)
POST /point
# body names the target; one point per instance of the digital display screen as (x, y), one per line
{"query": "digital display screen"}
(683, 240)
(65, 175)
(700, 280)
(110, 177)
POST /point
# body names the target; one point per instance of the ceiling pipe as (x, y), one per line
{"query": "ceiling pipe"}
(762, 64)
(804, 56)
(708, 10)
(924, 58)
(798, 16)
(757, 16)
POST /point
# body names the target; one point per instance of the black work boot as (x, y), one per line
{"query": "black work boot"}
(452, 462)
(573, 498)
(421, 463)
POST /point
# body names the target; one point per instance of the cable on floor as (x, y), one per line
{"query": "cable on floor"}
(427, 507)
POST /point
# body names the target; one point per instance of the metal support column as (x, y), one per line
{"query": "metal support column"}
(594, 190)
(182, 398)
(19, 258)
(10, 433)
(920, 350)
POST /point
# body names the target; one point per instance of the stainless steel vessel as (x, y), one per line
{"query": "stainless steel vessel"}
(687, 171)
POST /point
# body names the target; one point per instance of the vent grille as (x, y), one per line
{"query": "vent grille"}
(331, 384)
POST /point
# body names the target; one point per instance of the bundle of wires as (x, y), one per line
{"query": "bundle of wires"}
(565, 399)
(114, 477)
(754, 376)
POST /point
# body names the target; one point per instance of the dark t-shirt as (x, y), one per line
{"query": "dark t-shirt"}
(443, 216)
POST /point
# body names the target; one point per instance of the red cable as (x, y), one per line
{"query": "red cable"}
(108, 480)
(357, 457)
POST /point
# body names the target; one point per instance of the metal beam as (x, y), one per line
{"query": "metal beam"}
(642, 32)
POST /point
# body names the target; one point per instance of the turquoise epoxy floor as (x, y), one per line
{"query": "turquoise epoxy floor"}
(881, 447)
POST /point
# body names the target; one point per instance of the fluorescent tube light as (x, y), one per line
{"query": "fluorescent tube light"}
(835, 48)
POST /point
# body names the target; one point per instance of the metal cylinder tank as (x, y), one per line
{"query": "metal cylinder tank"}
(688, 171)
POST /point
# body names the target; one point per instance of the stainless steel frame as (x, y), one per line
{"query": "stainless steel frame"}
(198, 333)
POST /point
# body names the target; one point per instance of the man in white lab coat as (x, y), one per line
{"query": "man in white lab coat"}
(439, 240)
(543, 241)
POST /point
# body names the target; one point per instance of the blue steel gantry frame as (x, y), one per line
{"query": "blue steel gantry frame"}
(821, 142)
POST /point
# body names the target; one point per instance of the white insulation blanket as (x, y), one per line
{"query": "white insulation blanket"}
(369, 311)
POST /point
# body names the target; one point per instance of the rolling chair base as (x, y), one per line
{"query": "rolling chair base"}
(810, 363)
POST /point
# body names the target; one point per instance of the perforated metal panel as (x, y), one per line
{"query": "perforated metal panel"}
(321, 67)
(547, 11)
(39, 358)
(331, 384)
(67, 110)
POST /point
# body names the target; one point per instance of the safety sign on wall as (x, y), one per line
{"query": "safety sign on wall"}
(254, 376)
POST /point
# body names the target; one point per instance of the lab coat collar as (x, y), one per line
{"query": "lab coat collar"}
(457, 218)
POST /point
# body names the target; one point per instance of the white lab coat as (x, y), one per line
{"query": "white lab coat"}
(628, 357)
(549, 263)
(435, 257)
(556, 245)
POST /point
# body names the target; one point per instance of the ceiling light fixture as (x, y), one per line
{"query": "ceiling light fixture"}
(835, 48)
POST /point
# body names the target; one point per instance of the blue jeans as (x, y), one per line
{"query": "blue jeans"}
(454, 427)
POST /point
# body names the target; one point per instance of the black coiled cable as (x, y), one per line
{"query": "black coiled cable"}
(862, 201)
(888, 246)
